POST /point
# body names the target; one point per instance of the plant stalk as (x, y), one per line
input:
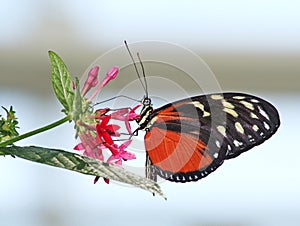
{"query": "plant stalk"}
(36, 131)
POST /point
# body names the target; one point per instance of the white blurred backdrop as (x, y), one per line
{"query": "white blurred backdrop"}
(251, 46)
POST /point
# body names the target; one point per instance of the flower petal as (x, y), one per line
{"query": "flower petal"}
(96, 179)
(125, 144)
(107, 138)
(104, 121)
(106, 180)
(79, 147)
(101, 112)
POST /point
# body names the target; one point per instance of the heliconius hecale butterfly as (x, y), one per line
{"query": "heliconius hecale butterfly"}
(188, 139)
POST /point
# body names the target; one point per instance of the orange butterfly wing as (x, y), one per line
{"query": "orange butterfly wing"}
(174, 148)
(177, 152)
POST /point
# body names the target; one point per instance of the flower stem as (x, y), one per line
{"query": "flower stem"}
(36, 131)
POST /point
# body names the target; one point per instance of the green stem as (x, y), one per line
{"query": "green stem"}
(36, 131)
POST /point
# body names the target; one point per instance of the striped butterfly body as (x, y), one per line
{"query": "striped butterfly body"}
(188, 139)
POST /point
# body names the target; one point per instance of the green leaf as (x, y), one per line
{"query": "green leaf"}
(81, 164)
(62, 82)
(77, 105)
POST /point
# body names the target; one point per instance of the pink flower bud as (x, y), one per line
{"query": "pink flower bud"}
(96, 179)
(91, 81)
(110, 75)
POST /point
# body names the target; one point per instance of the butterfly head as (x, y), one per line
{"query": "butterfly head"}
(146, 101)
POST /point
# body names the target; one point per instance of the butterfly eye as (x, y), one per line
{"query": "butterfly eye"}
(146, 101)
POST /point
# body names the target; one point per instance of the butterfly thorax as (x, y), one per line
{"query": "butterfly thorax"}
(146, 114)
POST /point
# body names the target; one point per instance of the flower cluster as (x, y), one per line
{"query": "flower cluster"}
(95, 129)
(8, 125)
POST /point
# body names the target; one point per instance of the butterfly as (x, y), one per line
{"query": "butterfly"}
(188, 139)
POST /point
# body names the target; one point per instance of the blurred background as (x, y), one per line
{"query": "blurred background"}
(251, 46)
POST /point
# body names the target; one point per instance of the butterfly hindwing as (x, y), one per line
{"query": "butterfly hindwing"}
(188, 139)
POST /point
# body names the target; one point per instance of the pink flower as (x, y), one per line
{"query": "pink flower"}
(105, 132)
(91, 145)
(121, 154)
(126, 115)
(91, 81)
(95, 130)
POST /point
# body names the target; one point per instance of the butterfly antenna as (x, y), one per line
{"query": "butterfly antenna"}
(138, 74)
(144, 74)
(110, 99)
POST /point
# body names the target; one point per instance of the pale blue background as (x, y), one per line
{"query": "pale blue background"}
(255, 39)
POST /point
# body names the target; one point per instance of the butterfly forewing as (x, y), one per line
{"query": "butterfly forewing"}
(188, 139)
(250, 121)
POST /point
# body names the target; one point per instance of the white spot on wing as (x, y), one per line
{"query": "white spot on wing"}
(228, 147)
(218, 144)
(226, 104)
(252, 115)
(237, 143)
(239, 127)
(267, 126)
(250, 138)
(238, 97)
(216, 97)
(200, 106)
(255, 128)
(231, 112)
(247, 105)
(228, 108)
(222, 130)
(254, 101)
(263, 113)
